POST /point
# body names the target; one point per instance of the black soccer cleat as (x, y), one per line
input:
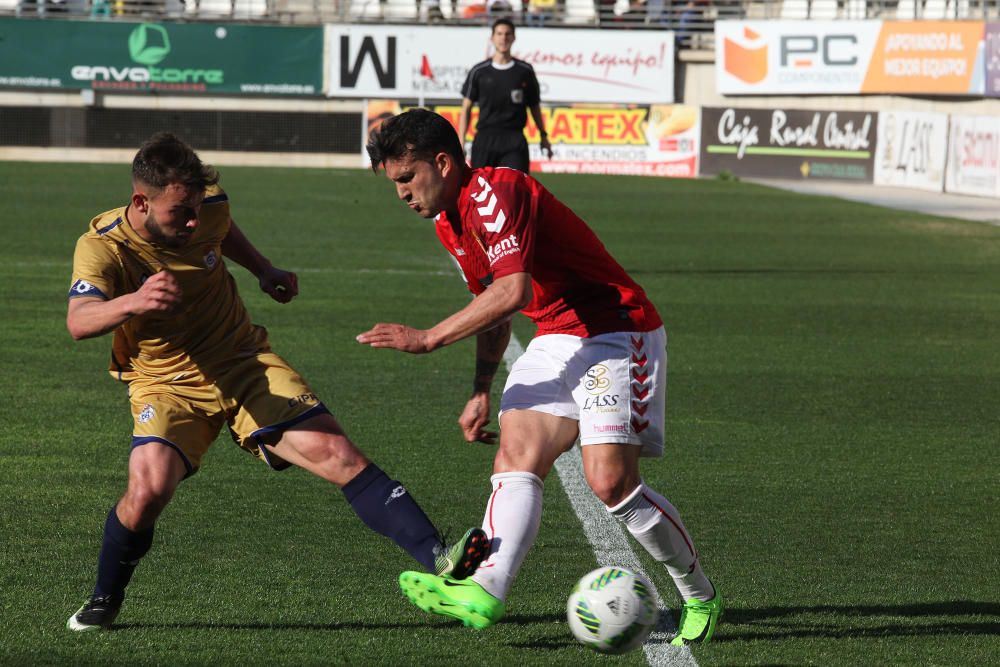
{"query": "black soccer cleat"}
(97, 613)
(462, 558)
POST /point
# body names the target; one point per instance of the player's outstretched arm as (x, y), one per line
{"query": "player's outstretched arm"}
(88, 317)
(490, 347)
(280, 285)
(503, 298)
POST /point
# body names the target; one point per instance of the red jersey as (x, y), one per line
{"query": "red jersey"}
(509, 223)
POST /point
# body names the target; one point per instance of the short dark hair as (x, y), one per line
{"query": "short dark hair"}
(503, 21)
(164, 159)
(417, 133)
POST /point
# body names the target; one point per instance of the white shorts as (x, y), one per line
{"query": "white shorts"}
(614, 384)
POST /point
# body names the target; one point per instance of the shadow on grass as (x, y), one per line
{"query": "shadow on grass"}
(547, 644)
(859, 621)
(517, 619)
(222, 625)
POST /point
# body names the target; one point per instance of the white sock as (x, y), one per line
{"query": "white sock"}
(511, 522)
(657, 526)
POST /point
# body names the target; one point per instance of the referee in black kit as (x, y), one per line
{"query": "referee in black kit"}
(505, 88)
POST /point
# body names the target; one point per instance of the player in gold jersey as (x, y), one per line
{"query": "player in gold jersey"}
(153, 273)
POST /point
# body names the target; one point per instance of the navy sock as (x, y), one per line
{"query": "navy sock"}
(386, 507)
(120, 553)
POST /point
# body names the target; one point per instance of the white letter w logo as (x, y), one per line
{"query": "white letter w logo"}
(486, 210)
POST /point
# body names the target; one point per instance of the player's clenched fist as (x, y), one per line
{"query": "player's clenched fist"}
(280, 285)
(475, 416)
(161, 293)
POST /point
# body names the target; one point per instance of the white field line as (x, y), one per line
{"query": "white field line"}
(611, 546)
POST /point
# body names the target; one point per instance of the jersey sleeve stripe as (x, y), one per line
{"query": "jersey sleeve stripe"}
(476, 69)
(216, 199)
(105, 230)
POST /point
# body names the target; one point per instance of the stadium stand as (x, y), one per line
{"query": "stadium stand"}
(693, 20)
(237, 10)
(580, 12)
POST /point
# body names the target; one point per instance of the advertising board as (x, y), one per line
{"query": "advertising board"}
(786, 143)
(912, 149)
(973, 156)
(849, 57)
(420, 62)
(656, 140)
(161, 57)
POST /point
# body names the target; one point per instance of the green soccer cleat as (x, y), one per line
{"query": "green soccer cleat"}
(698, 620)
(464, 600)
(462, 558)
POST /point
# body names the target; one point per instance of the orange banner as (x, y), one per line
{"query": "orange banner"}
(576, 125)
(924, 57)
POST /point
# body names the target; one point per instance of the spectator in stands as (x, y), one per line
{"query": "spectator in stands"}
(694, 18)
(539, 11)
(656, 12)
(504, 88)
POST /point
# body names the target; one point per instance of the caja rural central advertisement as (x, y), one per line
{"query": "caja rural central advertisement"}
(786, 143)
(655, 140)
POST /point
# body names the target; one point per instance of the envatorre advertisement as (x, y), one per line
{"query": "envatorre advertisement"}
(849, 57)
(786, 143)
(912, 150)
(974, 156)
(991, 58)
(415, 62)
(161, 57)
(655, 140)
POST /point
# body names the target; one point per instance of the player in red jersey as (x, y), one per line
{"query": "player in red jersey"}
(595, 370)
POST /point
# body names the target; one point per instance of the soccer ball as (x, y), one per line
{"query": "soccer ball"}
(612, 610)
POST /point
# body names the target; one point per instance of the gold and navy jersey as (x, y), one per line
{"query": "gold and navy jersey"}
(209, 330)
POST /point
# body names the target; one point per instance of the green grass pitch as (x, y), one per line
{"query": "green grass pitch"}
(833, 433)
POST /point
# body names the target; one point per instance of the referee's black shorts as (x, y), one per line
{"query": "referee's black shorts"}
(500, 149)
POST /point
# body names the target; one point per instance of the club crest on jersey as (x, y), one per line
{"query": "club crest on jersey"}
(507, 246)
(493, 216)
(147, 413)
(211, 259)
